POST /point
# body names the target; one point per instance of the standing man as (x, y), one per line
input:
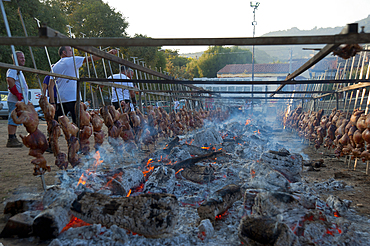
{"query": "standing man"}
(14, 79)
(68, 88)
(123, 94)
(45, 87)
(176, 106)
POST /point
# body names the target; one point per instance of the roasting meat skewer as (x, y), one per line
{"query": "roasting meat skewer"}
(35, 140)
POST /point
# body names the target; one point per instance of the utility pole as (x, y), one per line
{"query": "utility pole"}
(254, 5)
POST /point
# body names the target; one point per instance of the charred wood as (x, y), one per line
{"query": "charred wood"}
(220, 201)
(151, 215)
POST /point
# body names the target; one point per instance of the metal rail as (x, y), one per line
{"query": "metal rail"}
(54, 40)
(350, 29)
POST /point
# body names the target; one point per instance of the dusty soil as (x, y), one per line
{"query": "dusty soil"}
(16, 175)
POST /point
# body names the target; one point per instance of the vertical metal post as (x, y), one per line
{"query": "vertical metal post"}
(337, 99)
(78, 105)
(25, 97)
(30, 48)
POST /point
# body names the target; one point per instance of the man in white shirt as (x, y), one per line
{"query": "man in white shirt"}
(14, 79)
(176, 106)
(123, 94)
(68, 88)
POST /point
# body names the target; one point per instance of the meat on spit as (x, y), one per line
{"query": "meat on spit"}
(35, 140)
(70, 131)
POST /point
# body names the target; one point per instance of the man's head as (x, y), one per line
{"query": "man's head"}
(20, 58)
(65, 51)
(130, 73)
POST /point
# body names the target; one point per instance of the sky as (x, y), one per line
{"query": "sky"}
(233, 18)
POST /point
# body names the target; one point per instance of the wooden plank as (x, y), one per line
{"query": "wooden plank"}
(55, 41)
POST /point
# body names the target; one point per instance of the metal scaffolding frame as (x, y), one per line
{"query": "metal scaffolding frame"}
(349, 35)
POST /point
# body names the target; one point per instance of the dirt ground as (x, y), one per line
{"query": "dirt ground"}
(16, 176)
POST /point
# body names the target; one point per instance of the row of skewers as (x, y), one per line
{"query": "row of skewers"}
(128, 128)
(348, 134)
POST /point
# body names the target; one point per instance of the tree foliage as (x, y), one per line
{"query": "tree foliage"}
(49, 14)
(216, 57)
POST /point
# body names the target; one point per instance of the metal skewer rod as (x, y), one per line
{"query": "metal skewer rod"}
(30, 48)
(96, 75)
(21, 78)
(51, 68)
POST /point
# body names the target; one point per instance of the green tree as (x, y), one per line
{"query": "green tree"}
(48, 14)
(216, 57)
(94, 18)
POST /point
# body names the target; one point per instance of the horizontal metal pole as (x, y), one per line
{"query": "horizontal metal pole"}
(46, 32)
(347, 88)
(350, 29)
(227, 82)
(109, 84)
(120, 42)
(243, 98)
(32, 70)
(240, 92)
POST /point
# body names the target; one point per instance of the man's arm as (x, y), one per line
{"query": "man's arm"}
(51, 88)
(95, 58)
(13, 88)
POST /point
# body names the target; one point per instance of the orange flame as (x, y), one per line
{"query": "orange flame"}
(247, 122)
(179, 170)
(88, 172)
(207, 148)
(74, 223)
(253, 173)
(218, 217)
(129, 193)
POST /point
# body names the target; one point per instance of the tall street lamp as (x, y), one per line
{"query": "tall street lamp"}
(254, 5)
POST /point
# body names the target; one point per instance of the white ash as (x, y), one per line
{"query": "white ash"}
(331, 184)
(338, 204)
(58, 196)
(242, 168)
(162, 180)
(290, 165)
(207, 137)
(261, 176)
(178, 154)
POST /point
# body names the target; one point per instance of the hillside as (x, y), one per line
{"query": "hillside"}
(282, 53)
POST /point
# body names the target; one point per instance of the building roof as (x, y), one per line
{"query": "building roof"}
(275, 68)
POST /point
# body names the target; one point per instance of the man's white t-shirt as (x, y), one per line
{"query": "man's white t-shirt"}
(11, 73)
(123, 94)
(177, 105)
(67, 88)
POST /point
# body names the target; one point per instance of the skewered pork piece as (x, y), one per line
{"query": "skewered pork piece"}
(108, 120)
(70, 131)
(85, 129)
(69, 128)
(47, 108)
(85, 134)
(35, 140)
(347, 51)
(126, 133)
(54, 133)
(84, 116)
(97, 124)
(73, 148)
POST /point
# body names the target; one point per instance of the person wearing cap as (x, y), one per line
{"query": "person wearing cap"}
(14, 79)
